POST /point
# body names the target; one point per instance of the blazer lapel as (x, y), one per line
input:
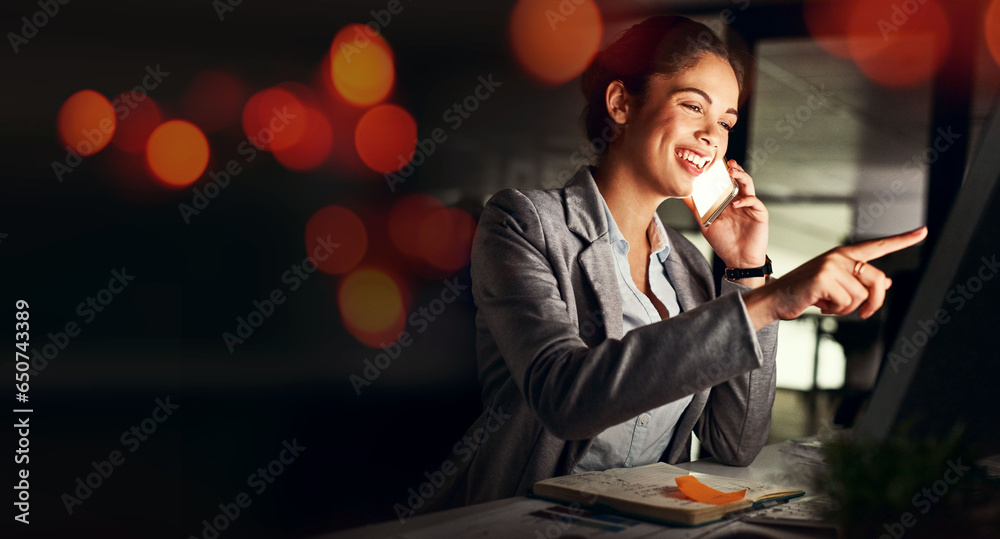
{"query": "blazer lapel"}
(681, 280)
(585, 217)
(599, 269)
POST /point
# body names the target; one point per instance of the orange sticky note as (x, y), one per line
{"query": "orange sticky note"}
(699, 492)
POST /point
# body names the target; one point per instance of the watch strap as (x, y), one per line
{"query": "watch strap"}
(734, 274)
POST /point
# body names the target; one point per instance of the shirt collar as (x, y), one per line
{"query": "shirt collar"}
(656, 234)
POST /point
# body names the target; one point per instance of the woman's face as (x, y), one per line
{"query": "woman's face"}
(683, 126)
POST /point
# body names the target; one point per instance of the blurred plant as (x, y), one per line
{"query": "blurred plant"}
(880, 487)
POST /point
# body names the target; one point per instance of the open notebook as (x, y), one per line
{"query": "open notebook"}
(651, 492)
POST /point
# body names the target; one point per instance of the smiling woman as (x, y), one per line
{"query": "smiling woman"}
(677, 128)
(670, 357)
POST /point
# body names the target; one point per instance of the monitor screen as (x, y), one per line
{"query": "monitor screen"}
(944, 367)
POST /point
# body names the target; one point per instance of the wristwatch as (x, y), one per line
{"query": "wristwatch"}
(734, 274)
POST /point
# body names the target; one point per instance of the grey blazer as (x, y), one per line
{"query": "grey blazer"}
(555, 368)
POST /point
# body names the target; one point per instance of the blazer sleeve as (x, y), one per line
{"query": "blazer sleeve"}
(577, 391)
(737, 417)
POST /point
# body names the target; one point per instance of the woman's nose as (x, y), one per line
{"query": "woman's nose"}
(709, 137)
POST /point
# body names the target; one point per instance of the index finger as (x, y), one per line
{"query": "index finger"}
(872, 249)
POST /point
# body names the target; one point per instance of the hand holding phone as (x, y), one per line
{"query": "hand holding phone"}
(714, 189)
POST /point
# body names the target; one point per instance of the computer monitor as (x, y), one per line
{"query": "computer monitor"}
(944, 367)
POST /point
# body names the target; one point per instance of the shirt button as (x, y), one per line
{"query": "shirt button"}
(644, 418)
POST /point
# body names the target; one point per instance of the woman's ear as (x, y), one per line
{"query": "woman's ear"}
(617, 101)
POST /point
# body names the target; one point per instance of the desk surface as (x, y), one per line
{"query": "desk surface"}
(512, 517)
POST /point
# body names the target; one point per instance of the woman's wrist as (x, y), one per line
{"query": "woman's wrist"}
(747, 261)
(760, 306)
(751, 274)
(750, 282)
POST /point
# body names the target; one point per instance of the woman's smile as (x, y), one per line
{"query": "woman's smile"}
(693, 161)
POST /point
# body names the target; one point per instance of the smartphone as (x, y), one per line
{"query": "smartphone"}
(714, 189)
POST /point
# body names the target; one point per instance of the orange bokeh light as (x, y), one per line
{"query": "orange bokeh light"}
(992, 34)
(214, 100)
(362, 65)
(371, 306)
(274, 119)
(136, 124)
(444, 238)
(404, 222)
(336, 239)
(86, 122)
(555, 40)
(386, 137)
(177, 152)
(898, 45)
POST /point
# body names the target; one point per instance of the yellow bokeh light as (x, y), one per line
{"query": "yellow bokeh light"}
(363, 69)
(370, 301)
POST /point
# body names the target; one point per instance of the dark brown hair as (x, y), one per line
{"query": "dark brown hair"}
(664, 45)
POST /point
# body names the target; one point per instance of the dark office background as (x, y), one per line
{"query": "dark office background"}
(162, 336)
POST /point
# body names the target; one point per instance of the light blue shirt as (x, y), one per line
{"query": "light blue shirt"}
(641, 440)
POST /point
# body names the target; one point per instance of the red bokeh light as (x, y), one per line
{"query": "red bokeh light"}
(338, 235)
(555, 40)
(385, 138)
(362, 65)
(274, 119)
(992, 24)
(898, 44)
(343, 117)
(86, 122)
(313, 148)
(136, 124)
(827, 24)
(404, 222)
(444, 238)
(177, 152)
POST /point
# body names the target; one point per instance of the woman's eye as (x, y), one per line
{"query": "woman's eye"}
(726, 126)
(695, 108)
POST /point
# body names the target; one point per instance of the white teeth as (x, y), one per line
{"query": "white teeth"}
(694, 158)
